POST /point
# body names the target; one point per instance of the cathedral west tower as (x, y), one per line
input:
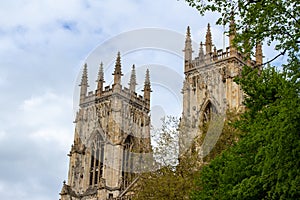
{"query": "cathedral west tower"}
(112, 127)
(209, 85)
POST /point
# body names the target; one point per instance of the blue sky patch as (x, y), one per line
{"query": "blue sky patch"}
(69, 26)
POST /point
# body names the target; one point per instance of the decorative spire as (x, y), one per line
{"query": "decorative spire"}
(100, 80)
(84, 84)
(232, 33)
(147, 78)
(147, 89)
(118, 71)
(258, 54)
(84, 78)
(132, 82)
(201, 53)
(208, 41)
(188, 46)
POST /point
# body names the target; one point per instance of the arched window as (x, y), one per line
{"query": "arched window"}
(208, 112)
(97, 158)
(127, 165)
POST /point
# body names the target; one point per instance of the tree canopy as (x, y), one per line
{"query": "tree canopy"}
(264, 163)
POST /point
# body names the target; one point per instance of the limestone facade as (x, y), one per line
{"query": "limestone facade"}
(209, 85)
(112, 126)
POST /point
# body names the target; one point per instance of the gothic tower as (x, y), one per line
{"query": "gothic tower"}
(209, 85)
(112, 126)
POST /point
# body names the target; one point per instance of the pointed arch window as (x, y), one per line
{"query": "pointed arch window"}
(97, 159)
(208, 112)
(127, 165)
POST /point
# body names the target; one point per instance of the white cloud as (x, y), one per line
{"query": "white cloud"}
(49, 119)
(60, 136)
(33, 148)
(47, 109)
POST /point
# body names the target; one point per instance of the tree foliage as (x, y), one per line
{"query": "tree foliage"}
(229, 136)
(165, 142)
(264, 164)
(170, 180)
(174, 180)
(166, 183)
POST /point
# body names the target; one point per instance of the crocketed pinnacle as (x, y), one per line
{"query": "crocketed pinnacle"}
(208, 40)
(100, 73)
(147, 78)
(100, 80)
(188, 46)
(147, 86)
(118, 71)
(84, 84)
(232, 33)
(132, 81)
(84, 77)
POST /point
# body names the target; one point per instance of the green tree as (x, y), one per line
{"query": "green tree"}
(169, 180)
(229, 136)
(264, 163)
(174, 180)
(165, 142)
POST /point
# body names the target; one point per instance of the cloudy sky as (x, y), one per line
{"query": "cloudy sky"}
(43, 45)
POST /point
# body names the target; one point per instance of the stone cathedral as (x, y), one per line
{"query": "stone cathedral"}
(111, 124)
(209, 86)
(113, 121)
